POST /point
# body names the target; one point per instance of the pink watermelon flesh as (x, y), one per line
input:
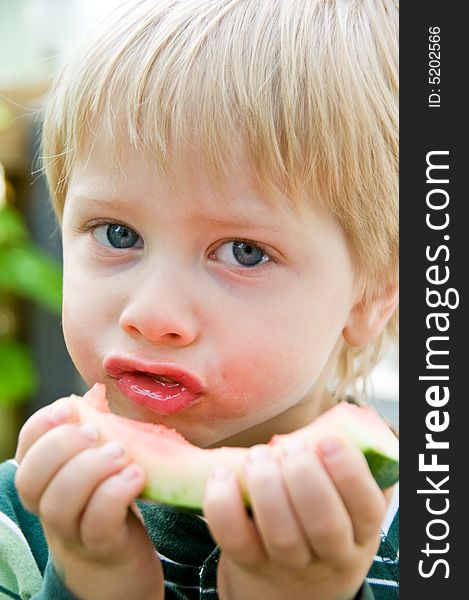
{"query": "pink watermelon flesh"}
(177, 471)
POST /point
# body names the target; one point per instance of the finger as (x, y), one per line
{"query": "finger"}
(363, 499)
(47, 456)
(317, 503)
(103, 530)
(42, 421)
(388, 494)
(228, 520)
(282, 535)
(77, 480)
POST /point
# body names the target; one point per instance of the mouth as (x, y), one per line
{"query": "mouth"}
(163, 388)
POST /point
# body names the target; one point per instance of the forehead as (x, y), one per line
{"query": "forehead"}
(115, 169)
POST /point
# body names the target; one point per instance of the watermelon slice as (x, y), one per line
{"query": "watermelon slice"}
(177, 470)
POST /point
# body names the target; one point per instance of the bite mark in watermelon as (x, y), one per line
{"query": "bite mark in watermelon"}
(177, 471)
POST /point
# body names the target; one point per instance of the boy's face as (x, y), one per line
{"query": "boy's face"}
(210, 312)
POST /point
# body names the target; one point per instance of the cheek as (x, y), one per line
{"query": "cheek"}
(76, 327)
(84, 323)
(267, 367)
(272, 360)
(257, 386)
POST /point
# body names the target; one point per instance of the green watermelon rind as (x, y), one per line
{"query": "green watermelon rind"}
(384, 469)
(188, 497)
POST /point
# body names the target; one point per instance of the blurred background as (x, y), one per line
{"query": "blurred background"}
(35, 39)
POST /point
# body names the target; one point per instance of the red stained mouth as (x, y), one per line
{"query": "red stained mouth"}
(163, 388)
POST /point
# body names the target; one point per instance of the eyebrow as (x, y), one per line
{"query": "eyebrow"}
(233, 222)
(240, 223)
(117, 204)
(105, 200)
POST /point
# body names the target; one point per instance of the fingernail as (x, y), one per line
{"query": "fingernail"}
(294, 447)
(259, 453)
(330, 447)
(222, 474)
(130, 472)
(60, 414)
(113, 449)
(90, 431)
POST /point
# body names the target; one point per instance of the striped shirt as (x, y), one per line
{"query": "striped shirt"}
(188, 554)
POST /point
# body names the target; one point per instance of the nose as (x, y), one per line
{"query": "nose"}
(161, 310)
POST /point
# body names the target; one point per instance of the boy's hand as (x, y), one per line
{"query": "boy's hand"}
(315, 529)
(83, 492)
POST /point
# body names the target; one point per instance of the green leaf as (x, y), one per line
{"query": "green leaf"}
(17, 373)
(12, 228)
(29, 273)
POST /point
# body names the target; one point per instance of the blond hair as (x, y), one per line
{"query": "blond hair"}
(310, 86)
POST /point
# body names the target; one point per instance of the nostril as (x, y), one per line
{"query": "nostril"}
(131, 329)
(158, 327)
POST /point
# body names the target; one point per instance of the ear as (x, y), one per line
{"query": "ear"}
(366, 322)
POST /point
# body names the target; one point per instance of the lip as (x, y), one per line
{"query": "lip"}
(134, 378)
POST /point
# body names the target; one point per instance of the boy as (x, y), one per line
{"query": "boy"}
(225, 174)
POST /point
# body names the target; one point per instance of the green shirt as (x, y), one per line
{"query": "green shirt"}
(189, 555)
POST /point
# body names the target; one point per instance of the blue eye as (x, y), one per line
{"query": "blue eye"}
(117, 236)
(248, 255)
(242, 253)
